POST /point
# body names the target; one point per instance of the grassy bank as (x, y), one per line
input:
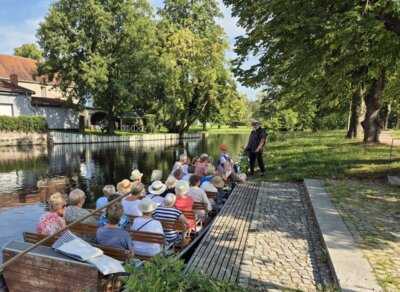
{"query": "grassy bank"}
(395, 134)
(294, 156)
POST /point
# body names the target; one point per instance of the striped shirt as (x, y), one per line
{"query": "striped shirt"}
(168, 214)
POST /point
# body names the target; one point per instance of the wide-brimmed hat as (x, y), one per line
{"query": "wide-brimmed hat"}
(204, 156)
(125, 186)
(181, 187)
(146, 205)
(171, 182)
(217, 182)
(157, 188)
(254, 122)
(136, 174)
(210, 169)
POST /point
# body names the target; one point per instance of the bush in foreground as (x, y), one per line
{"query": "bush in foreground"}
(166, 274)
(23, 124)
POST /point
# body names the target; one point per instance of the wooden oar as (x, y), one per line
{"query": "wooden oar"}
(61, 231)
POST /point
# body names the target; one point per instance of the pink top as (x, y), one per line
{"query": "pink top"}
(49, 223)
(201, 169)
(185, 204)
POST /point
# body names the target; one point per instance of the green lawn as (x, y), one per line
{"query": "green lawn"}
(222, 129)
(395, 134)
(294, 156)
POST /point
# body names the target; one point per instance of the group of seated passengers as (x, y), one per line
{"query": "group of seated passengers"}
(164, 201)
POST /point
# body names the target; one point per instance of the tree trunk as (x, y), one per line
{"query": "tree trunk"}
(357, 112)
(110, 124)
(372, 123)
(388, 111)
(204, 126)
(397, 122)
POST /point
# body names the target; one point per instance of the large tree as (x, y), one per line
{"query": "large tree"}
(29, 51)
(193, 54)
(106, 50)
(338, 46)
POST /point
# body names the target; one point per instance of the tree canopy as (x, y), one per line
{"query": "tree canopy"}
(29, 51)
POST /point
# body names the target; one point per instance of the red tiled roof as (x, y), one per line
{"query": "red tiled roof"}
(25, 68)
(6, 86)
(44, 101)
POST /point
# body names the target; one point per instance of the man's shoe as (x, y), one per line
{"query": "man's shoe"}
(263, 174)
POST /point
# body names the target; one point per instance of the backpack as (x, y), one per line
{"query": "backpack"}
(219, 163)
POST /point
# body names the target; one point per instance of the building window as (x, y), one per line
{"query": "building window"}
(44, 91)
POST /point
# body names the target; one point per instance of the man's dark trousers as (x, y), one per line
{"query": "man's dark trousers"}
(253, 156)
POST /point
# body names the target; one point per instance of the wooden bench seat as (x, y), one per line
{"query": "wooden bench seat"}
(220, 252)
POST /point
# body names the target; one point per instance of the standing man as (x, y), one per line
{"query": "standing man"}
(255, 147)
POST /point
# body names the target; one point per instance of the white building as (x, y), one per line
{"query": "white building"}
(24, 93)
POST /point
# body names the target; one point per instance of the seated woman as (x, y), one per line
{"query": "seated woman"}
(191, 170)
(210, 173)
(155, 190)
(131, 203)
(156, 174)
(183, 202)
(170, 183)
(179, 166)
(214, 186)
(108, 190)
(111, 235)
(52, 221)
(198, 195)
(74, 211)
(124, 222)
(201, 165)
(147, 223)
(168, 212)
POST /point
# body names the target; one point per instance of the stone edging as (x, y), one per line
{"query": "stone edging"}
(351, 271)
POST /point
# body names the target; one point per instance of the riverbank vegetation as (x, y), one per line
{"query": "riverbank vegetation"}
(36, 124)
(326, 154)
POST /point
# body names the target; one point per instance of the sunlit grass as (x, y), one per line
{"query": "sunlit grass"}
(295, 156)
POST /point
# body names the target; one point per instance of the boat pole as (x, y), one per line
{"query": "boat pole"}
(10, 261)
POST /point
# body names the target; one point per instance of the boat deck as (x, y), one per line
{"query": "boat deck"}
(220, 253)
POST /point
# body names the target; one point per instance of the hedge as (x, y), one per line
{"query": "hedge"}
(23, 124)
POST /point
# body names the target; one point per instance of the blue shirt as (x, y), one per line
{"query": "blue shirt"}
(101, 202)
(114, 237)
(206, 178)
(124, 222)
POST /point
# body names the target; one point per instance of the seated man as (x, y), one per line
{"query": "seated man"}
(191, 170)
(198, 195)
(169, 212)
(148, 224)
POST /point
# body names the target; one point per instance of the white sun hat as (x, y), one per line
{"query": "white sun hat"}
(181, 187)
(157, 188)
(136, 174)
(146, 205)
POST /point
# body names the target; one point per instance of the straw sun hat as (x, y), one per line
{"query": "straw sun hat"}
(217, 182)
(170, 182)
(157, 188)
(146, 205)
(136, 174)
(124, 186)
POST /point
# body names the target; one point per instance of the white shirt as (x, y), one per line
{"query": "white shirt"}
(208, 187)
(186, 177)
(131, 207)
(145, 248)
(156, 199)
(199, 196)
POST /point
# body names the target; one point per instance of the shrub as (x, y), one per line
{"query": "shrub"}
(150, 123)
(23, 124)
(165, 274)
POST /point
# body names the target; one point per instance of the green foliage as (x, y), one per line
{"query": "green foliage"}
(150, 123)
(332, 121)
(36, 124)
(108, 49)
(166, 274)
(29, 51)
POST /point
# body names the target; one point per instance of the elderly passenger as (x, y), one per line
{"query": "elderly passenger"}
(183, 202)
(52, 221)
(190, 172)
(210, 173)
(170, 183)
(124, 222)
(147, 223)
(108, 190)
(169, 212)
(156, 174)
(198, 195)
(131, 203)
(201, 165)
(179, 166)
(156, 189)
(111, 235)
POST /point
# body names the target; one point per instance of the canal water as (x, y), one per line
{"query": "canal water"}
(28, 175)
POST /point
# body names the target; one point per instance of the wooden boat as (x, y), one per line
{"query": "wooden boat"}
(43, 269)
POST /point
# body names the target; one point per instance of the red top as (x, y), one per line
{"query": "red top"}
(185, 203)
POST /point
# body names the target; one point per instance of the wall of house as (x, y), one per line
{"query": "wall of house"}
(57, 118)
